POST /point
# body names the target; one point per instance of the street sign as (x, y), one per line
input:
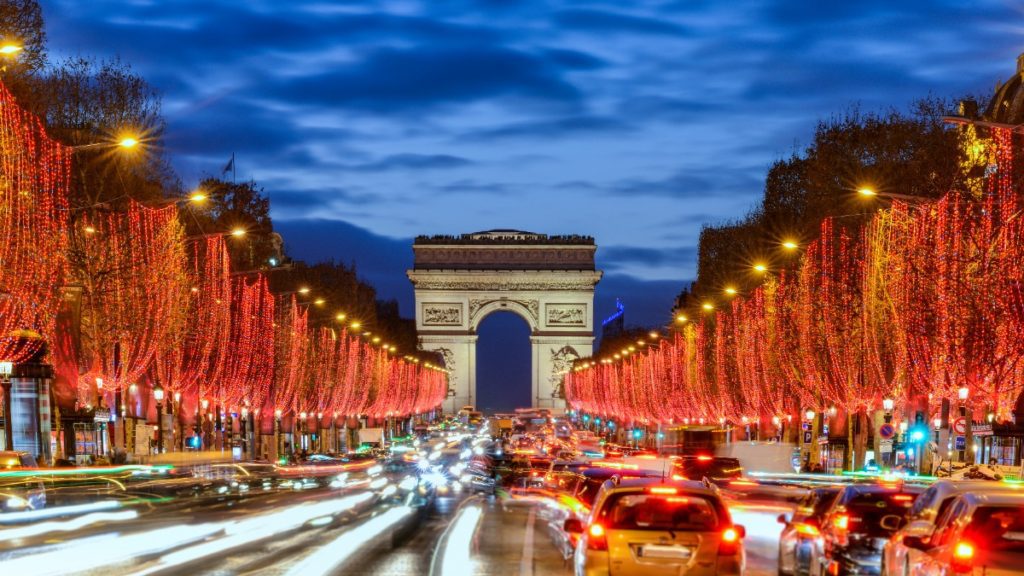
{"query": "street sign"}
(960, 427)
(960, 443)
(887, 431)
(885, 446)
(808, 436)
(101, 415)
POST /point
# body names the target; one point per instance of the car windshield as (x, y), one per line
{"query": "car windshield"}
(659, 512)
(867, 512)
(997, 528)
(714, 468)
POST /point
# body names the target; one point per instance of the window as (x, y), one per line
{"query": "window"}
(945, 525)
(996, 528)
(659, 512)
(923, 502)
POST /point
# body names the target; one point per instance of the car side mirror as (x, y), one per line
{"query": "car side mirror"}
(783, 519)
(573, 526)
(916, 542)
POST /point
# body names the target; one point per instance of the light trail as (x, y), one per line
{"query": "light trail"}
(67, 525)
(245, 532)
(44, 513)
(109, 549)
(330, 556)
(456, 560)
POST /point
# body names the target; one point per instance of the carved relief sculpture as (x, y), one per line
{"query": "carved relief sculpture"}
(561, 363)
(566, 315)
(442, 314)
(449, 364)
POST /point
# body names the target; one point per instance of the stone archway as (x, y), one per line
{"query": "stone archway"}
(547, 280)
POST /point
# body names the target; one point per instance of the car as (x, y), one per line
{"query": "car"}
(801, 544)
(897, 557)
(979, 534)
(10, 459)
(714, 468)
(653, 526)
(20, 494)
(859, 522)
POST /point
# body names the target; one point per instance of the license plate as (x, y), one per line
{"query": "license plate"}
(670, 552)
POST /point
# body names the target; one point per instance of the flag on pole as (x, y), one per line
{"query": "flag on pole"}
(229, 166)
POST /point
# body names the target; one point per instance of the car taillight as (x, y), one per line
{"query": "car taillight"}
(597, 539)
(842, 522)
(963, 556)
(704, 458)
(663, 490)
(730, 543)
(807, 530)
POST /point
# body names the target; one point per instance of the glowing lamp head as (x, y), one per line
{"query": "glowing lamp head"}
(790, 245)
(759, 267)
(708, 306)
(319, 301)
(128, 142)
(205, 403)
(10, 49)
(238, 232)
(937, 423)
(339, 316)
(887, 404)
(99, 383)
(158, 394)
(809, 414)
(177, 396)
(730, 290)
(277, 413)
(197, 197)
(681, 318)
(304, 290)
(867, 192)
(962, 393)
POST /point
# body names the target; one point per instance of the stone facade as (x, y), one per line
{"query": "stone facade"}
(550, 285)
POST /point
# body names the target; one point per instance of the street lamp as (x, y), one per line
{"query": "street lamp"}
(887, 405)
(962, 393)
(277, 432)
(809, 414)
(6, 369)
(158, 395)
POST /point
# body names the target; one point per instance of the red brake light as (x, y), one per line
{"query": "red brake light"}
(662, 490)
(807, 530)
(678, 477)
(842, 522)
(730, 542)
(704, 458)
(903, 497)
(597, 539)
(963, 554)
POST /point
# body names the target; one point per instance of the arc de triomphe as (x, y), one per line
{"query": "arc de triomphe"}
(547, 280)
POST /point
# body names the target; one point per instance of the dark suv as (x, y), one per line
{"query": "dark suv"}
(859, 523)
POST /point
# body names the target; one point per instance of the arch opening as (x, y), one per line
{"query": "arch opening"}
(504, 363)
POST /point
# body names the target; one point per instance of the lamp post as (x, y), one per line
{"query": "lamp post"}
(277, 432)
(962, 395)
(205, 404)
(6, 368)
(175, 435)
(301, 425)
(245, 432)
(158, 395)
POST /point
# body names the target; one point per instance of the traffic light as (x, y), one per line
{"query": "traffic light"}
(638, 433)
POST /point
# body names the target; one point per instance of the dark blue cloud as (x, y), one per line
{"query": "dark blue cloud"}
(568, 127)
(604, 22)
(392, 80)
(413, 162)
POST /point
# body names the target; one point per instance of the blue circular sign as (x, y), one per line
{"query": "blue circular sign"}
(887, 431)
